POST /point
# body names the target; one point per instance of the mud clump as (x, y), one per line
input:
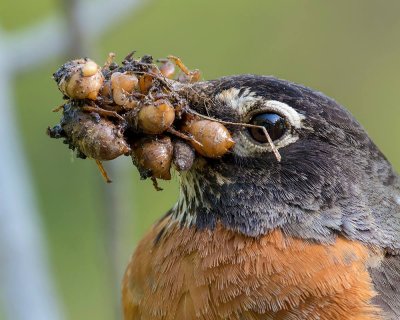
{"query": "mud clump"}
(135, 109)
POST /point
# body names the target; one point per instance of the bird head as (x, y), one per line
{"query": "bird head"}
(331, 178)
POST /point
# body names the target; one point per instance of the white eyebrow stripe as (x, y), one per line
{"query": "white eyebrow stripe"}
(244, 102)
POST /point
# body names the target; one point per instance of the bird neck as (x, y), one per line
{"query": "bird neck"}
(253, 205)
(209, 196)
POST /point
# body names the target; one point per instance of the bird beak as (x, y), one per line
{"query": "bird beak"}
(197, 94)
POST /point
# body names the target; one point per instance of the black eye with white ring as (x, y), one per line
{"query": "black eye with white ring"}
(275, 125)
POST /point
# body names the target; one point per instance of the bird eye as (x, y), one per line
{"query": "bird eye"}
(275, 124)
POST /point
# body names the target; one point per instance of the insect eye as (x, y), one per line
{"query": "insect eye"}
(275, 125)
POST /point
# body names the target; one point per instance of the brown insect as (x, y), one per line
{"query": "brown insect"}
(79, 79)
(213, 137)
(188, 75)
(145, 83)
(184, 155)
(152, 156)
(90, 135)
(155, 118)
(122, 85)
(167, 68)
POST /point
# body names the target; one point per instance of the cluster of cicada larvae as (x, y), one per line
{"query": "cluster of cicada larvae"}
(133, 110)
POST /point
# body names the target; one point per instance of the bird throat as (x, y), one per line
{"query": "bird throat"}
(248, 203)
(208, 197)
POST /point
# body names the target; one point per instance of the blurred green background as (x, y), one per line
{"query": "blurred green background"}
(350, 50)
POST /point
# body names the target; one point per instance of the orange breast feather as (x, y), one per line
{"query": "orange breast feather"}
(221, 274)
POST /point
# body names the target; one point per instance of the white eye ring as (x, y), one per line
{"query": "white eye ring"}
(291, 115)
(245, 145)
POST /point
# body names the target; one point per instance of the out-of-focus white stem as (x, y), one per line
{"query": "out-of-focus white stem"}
(26, 290)
(26, 285)
(38, 43)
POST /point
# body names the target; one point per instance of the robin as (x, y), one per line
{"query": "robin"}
(313, 235)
